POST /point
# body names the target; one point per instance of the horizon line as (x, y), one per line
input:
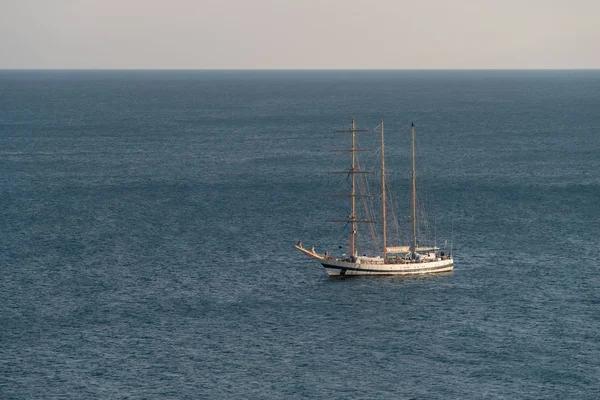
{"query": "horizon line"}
(299, 69)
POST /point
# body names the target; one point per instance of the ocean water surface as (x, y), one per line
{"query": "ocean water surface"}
(147, 224)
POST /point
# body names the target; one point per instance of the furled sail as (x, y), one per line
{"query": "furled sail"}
(398, 249)
(406, 249)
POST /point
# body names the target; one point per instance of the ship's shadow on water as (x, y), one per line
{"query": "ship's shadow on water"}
(148, 222)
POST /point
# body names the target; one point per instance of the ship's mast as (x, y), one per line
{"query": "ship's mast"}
(383, 198)
(353, 171)
(353, 195)
(414, 190)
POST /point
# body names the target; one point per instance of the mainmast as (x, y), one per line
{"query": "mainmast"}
(414, 190)
(383, 196)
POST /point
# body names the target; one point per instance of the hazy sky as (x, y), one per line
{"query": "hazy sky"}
(356, 34)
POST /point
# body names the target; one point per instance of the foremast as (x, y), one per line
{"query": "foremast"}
(353, 171)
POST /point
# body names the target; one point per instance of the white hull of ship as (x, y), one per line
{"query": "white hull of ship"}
(376, 266)
(346, 268)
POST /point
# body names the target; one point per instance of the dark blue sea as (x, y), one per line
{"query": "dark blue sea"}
(148, 222)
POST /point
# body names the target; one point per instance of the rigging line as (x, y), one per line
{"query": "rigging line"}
(364, 188)
(375, 230)
(424, 200)
(394, 206)
(338, 186)
(345, 226)
(403, 232)
(361, 188)
(368, 203)
(339, 238)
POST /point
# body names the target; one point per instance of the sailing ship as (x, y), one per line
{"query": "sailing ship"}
(412, 259)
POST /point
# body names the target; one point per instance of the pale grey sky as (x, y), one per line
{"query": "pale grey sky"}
(299, 34)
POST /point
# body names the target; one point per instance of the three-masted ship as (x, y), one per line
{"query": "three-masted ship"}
(409, 259)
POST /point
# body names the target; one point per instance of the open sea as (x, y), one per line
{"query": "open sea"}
(148, 222)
